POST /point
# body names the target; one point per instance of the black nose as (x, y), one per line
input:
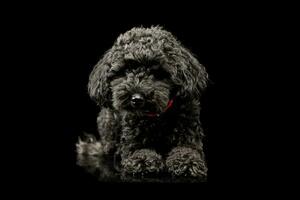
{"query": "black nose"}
(137, 100)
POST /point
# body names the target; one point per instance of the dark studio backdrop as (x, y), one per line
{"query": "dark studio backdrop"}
(59, 48)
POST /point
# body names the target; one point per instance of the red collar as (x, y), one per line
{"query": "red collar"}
(169, 105)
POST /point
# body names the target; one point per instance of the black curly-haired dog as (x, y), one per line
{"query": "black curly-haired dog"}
(148, 87)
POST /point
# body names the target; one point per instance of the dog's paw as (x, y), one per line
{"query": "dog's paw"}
(186, 162)
(143, 163)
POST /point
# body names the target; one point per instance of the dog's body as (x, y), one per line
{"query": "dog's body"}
(148, 87)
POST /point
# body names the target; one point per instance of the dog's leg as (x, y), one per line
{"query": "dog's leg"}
(186, 162)
(143, 163)
(137, 160)
(108, 128)
(186, 159)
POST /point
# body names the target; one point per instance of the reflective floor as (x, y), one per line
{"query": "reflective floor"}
(105, 168)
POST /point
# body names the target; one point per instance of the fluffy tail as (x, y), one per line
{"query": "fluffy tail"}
(89, 145)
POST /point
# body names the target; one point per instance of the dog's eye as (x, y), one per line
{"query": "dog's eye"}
(159, 73)
(155, 67)
(131, 64)
(116, 74)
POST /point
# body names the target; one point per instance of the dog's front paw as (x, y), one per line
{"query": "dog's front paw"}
(186, 162)
(143, 163)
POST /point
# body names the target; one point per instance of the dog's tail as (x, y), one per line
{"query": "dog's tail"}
(89, 145)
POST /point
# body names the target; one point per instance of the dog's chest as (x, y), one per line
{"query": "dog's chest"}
(156, 133)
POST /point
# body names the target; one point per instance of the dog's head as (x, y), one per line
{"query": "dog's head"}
(144, 70)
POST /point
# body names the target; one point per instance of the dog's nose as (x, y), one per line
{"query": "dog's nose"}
(137, 100)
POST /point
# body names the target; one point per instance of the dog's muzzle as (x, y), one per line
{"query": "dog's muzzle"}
(137, 101)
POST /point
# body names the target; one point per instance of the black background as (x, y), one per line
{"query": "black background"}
(54, 48)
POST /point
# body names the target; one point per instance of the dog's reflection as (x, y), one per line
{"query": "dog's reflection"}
(91, 158)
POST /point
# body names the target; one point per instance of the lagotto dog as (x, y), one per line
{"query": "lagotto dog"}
(149, 87)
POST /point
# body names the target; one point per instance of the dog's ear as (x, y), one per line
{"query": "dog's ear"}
(98, 86)
(190, 75)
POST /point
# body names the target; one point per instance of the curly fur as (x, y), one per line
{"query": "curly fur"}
(153, 63)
